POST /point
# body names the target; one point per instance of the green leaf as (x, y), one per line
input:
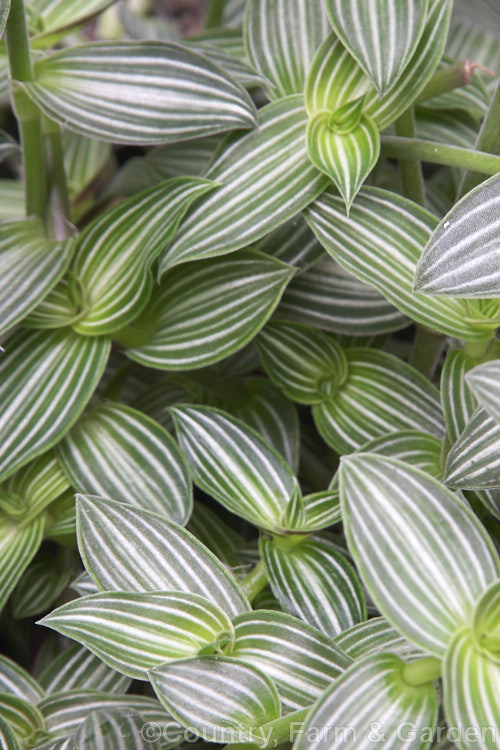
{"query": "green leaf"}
(266, 178)
(373, 637)
(322, 509)
(419, 449)
(484, 382)
(422, 554)
(461, 258)
(115, 252)
(142, 93)
(372, 704)
(381, 394)
(300, 660)
(382, 36)
(76, 668)
(346, 157)
(233, 464)
(457, 400)
(49, 16)
(474, 460)
(293, 243)
(225, 49)
(134, 632)
(315, 583)
(84, 158)
(127, 549)
(219, 698)
(275, 48)
(115, 728)
(8, 740)
(60, 519)
(38, 484)
(486, 622)
(40, 403)
(381, 242)
(23, 717)
(19, 543)
(471, 683)
(4, 13)
(115, 451)
(205, 312)
(41, 583)
(307, 364)
(30, 266)
(14, 679)
(218, 536)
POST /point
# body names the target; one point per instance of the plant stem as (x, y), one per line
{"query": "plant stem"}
(488, 140)
(215, 14)
(427, 347)
(255, 581)
(411, 169)
(59, 211)
(422, 671)
(439, 153)
(452, 77)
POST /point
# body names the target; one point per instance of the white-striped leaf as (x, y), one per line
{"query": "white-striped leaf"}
(381, 242)
(293, 243)
(46, 17)
(46, 380)
(22, 716)
(217, 697)
(373, 637)
(315, 583)
(307, 364)
(322, 509)
(381, 394)
(484, 382)
(220, 538)
(115, 253)
(474, 460)
(471, 684)
(37, 484)
(8, 740)
(60, 519)
(116, 729)
(8, 146)
(419, 449)
(233, 464)
(19, 543)
(371, 705)
(84, 584)
(486, 622)
(381, 36)
(456, 398)
(266, 178)
(463, 254)
(14, 679)
(204, 312)
(4, 13)
(62, 307)
(150, 92)
(281, 38)
(64, 743)
(115, 451)
(41, 583)
(134, 632)
(421, 552)
(76, 668)
(328, 297)
(127, 549)
(300, 660)
(225, 48)
(346, 157)
(30, 266)
(84, 158)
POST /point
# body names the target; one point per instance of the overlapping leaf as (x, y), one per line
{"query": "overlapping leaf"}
(4, 13)
(293, 243)
(76, 668)
(23, 717)
(37, 485)
(117, 728)
(484, 382)
(8, 740)
(486, 622)
(19, 543)
(14, 679)
(457, 400)
(373, 637)
(48, 16)
(41, 583)
(474, 460)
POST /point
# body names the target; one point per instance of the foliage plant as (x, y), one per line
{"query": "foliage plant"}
(250, 384)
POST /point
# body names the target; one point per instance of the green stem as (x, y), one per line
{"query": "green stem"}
(411, 169)
(488, 140)
(255, 581)
(28, 116)
(479, 350)
(59, 211)
(439, 153)
(422, 671)
(452, 77)
(215, 14)
(427, 348)
(284, 729)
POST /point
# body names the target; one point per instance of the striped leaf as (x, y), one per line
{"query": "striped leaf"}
(38, 484)
(265, 179)
(486, 622)
(135, 632)
(62, 307)
(419, 449)
(300, 660)
(374, 637)
(457, 400)
(127, 549)
(30, 266)
(421, 552)
(65, 743)
(41, 583)
(233, 464)
(219, 698)
(322, 509)
(381, 242)
(381, 394)
(115, 451)
(8, 740)
(115, 253)
(8, 146)
(76, 668)
(19, 543)
(307, 364)
(84, 584)
(117, 729)
(48, 16)
(293, 243)
(4, 13)
(484, 382)
(382, 36)
(346, 157)
(14, 679)
(60, 519)
(23, 717)
(225, 49)
(471, 682)
(474, 460)
(142, 93)
(41, 403)
(315, 583)
(84, 158)
(328, 297)
(372, 705)
(281, 54)
(220, 538)
(204, 312)
(461, 258)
